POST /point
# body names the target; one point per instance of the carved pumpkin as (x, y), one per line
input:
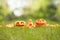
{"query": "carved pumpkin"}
(40, 22)
(20, 23)
(30, 24)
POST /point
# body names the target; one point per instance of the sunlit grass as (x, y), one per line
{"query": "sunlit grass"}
(39, 33)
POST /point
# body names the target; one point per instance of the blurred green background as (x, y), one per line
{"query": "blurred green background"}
(47, 9)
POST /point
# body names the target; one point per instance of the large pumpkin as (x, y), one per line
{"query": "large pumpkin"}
(40, 22)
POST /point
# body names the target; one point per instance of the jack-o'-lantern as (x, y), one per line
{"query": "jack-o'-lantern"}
(30, 24)
(20, 23)
(40, 22)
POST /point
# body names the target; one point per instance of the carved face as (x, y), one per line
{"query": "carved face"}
(20, 23)
(40, 22)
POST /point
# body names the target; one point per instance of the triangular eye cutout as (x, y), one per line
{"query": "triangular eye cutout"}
(17, 23)
(22, 22)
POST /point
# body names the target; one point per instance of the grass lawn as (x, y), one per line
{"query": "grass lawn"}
(40, 33)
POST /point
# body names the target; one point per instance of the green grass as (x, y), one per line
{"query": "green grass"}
(40, 33)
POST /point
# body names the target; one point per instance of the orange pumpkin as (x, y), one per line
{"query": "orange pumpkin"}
(20, 23)
(30, 24)
(40, 22)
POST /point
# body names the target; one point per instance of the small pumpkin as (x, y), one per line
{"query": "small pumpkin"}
(30, 24)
